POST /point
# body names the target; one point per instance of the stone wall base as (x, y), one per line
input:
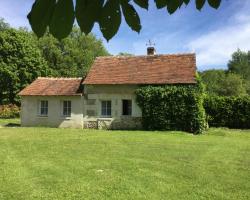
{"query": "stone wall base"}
(125, 123)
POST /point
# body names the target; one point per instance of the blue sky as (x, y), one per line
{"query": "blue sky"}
(212, 34)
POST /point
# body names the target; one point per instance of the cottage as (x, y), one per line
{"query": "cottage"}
(106, 97)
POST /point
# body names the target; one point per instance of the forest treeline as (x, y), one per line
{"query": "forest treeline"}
(233, 81)
(24, 57)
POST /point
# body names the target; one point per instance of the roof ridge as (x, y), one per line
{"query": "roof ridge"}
(133, 56)
(60, 78)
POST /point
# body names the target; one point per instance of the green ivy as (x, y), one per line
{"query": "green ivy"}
(231, 112)
(172, 107)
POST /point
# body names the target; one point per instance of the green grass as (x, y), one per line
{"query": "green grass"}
(9, 122)
(46, 163)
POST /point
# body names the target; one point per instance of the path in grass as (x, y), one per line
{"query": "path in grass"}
(44, 163)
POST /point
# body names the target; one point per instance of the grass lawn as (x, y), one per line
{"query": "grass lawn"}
(46, 163)
(9, 122)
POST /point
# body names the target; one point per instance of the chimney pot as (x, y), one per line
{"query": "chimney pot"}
(151, 51)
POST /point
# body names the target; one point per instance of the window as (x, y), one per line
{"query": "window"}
(106, 108)
(67, 108)
(43, 108)
(126, 107)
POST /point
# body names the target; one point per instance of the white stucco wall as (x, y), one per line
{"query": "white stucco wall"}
(81, 106)
(30, 112)
(114, 93)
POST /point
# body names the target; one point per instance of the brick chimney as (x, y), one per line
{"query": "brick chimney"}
(151, 51)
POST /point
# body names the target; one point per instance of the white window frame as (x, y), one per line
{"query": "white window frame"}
(68, 108)
(42, 106)
(106, 108)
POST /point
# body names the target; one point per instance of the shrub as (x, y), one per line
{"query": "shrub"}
(172, 107)
(9, 111)
(231, 112)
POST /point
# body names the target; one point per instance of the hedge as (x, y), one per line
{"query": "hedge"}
(172, 107)
(9, 111)
(231, 112)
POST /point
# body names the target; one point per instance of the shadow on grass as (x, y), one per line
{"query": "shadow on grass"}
(12, 125)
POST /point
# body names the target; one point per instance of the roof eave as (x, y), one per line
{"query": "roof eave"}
(50, 95)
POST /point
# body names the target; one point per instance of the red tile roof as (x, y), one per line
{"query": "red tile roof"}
(53, 87)
(153, 69)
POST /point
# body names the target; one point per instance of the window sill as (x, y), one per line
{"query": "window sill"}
(66, 117)
(105, 117)
(126, 116)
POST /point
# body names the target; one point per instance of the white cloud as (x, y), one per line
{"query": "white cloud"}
(215, 48)
(14, 12)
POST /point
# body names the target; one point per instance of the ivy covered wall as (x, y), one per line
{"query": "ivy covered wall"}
(172, 107)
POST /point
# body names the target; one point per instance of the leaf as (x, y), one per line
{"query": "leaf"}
(161, 3)
(180, 3)
(110, 19)
(142, 3)
(173, 5)
(62, 19)
(40, 15)
(214, 3)
(131, 16)
(200, 4)
(186, 1)
(87, 13)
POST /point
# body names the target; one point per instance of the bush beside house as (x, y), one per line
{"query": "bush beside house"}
(172, 107)
(231, 112)
(9, 111)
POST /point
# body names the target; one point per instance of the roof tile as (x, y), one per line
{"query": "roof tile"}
(53, 87)
(153, 69)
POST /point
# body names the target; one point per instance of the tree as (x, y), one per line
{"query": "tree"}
(240, 64)
(59, 15)
(125, 54)
(3, 25)
(211, 79)
(247, 86)
(72, 56)
(24, 57)
(232, 85)
(20, 63)
(222, 83)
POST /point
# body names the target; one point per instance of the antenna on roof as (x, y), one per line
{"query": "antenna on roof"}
(150, 43)
(150, 49)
